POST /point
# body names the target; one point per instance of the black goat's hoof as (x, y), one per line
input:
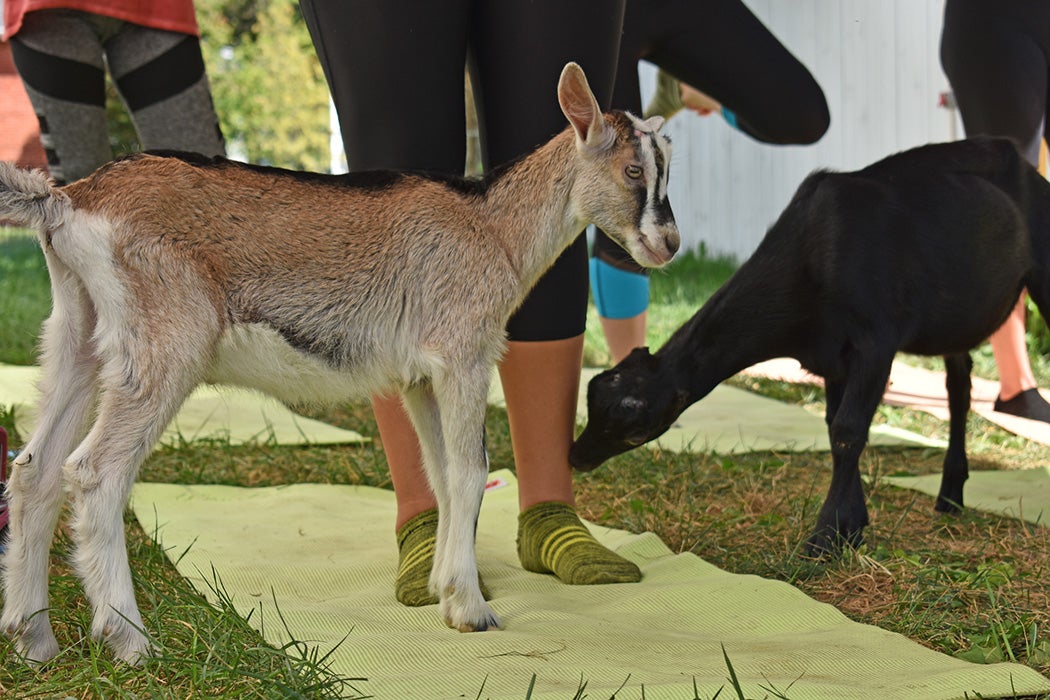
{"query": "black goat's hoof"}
(951, 506)
(826, 544)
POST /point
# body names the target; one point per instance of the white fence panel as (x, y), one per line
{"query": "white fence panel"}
(879, 67)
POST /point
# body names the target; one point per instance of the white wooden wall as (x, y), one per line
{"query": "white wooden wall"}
(878, 63)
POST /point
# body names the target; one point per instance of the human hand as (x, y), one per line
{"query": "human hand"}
(699, 102)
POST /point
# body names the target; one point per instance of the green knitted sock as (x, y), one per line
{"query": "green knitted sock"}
(415, 558)
(667, 100)
(552, 540)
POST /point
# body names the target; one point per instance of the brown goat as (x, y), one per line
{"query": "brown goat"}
(168, 271)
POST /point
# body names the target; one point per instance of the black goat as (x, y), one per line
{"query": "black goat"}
(923, 252)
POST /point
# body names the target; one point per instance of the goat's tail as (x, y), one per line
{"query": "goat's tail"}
(28, 198)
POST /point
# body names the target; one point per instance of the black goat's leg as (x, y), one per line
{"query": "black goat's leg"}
(844, 513)
(956, 468)
(833, 390)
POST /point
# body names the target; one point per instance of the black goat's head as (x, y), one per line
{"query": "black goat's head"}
(627, 406)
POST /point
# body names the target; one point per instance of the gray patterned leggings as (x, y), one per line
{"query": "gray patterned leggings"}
(62, 57)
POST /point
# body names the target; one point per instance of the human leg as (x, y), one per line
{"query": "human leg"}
(519, 53)
(1018, 391)
(619, 285)
(160, 76)
(621, 295)
(59, 57)
(386, 65)
(724, 50)
(998, 74)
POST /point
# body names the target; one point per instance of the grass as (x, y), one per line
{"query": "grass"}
(974, 585)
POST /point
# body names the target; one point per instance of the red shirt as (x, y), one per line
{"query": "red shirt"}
(170, 15)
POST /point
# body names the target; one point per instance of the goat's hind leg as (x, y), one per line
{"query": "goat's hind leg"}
(138, 399)
(844, 514)
(35, 492)
(956, 466)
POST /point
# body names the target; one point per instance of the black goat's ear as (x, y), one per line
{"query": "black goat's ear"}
(641, 357)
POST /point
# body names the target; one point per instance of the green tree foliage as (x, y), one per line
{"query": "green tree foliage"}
(122, 136)
(266, 81)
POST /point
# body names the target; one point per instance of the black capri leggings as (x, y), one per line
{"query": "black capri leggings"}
(395, 70)
(720, 48)
(996, 57)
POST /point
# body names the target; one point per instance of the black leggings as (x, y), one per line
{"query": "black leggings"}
(720, 48)
(996, 57)
(395, 70)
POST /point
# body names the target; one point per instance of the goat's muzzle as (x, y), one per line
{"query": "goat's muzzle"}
(657, 245)
(589, 452)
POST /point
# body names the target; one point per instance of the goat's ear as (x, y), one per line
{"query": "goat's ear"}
(581, 109)
(640, 352)
(655, 123)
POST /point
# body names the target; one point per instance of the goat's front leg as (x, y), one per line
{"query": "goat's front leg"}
(844, 514)
(450, 420)
(956, 466)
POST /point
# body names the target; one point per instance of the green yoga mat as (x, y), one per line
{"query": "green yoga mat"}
(225, 414)
(328, 557)
(731, 420)
(1018, 493)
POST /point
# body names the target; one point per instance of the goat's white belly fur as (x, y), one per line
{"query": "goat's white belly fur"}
(257, 357)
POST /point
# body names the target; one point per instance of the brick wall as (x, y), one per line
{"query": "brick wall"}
(19, 132)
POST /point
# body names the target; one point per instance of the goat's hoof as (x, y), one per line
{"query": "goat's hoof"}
(828, 543)
(38, 653)
(34, 644)
(487, 622)
(131, 652)
(952, 506)
(126, 641)
(472, 616)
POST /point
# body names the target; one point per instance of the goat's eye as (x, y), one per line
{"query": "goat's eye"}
(633, 171)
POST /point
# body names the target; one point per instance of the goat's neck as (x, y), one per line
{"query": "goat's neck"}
(530, 211)
(754, 317)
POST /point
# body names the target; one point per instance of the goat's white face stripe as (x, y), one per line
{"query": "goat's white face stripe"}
(654, 152)
(652, 175)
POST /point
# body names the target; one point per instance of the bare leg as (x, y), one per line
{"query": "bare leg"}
(1011, 355)
(403, 457)
(624, 334)
(541, 381)
(1018, 392)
